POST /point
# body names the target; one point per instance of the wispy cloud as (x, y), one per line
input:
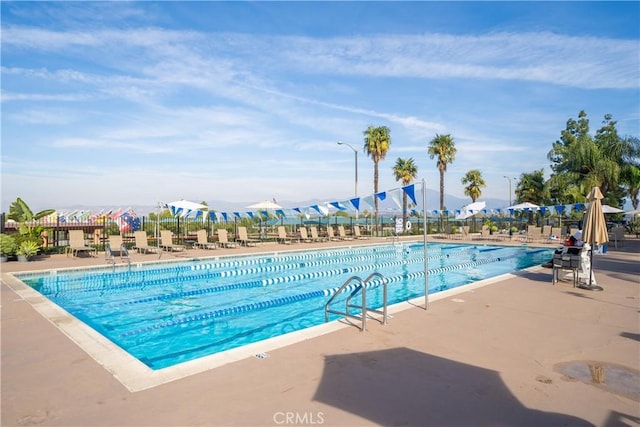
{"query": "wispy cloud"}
(104, 84)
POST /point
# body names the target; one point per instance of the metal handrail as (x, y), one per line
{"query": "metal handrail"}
(361, 286)
(110, 256)
(366, 282)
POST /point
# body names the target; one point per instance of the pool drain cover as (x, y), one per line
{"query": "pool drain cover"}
(617, 379)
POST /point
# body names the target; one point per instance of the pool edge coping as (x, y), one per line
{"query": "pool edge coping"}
(136, 376)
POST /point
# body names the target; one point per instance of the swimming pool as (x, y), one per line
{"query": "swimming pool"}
(164, 314)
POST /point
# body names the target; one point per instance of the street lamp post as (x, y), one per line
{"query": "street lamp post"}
(509, 179)
(510, 204)
(355, 152)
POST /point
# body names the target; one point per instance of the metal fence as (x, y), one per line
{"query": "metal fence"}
(56, 234)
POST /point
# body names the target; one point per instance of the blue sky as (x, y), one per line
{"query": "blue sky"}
(132, 103)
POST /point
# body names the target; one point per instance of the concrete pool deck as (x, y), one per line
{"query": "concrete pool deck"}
(511, 353)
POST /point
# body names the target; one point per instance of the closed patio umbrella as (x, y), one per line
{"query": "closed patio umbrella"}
(594, 230)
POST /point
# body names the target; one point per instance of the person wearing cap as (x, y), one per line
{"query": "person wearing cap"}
(572, 246)
(575, 240)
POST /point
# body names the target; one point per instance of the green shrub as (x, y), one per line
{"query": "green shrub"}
(28, 248)
(7, 244)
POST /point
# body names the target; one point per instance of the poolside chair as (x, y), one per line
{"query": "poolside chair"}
(357, 234)
(203, 241)
(556, 234)
(331, 234)
(464, 232)
(342, 234)
(115, 247)
(223, 239)
(243, 237)
(617, 236)
(77, 244)
(314, 234)
(485, 233)
(166, 242)
(448, 233)
(282, 236)
(304, 236)
(534, 233)
(142, 244)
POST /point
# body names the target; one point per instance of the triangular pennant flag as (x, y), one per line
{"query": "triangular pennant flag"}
(559, 209)
(297, 210)
(396, 196)
(411, 192)
(368, 201)
(544, 209)
(281, 213)
(250, 214)
(224, 215)
(356, 203)
(338, 206)
(381, 195)
(237, 215)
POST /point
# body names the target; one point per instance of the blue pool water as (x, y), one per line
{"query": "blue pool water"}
(168, 313)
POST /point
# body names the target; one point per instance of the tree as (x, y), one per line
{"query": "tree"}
(532, 188)
(443, 148)
(377, 141)
(405, 171)
(474, 184)
(583, 161)
(630, 171)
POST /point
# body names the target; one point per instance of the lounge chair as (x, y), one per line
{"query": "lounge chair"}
(485, 233)
(314, 234)
(77, 244)
(203, 241)
(555, 235)
(282, 236)
(617, 236)
(534, 233)
(223, 239)
(142, 243)
(331, 234)
(304, 236)
(166, 242)
(342, 234)
(243, 237)
(464, 232)
(357, 234)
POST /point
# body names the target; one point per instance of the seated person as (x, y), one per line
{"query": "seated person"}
(572, 246)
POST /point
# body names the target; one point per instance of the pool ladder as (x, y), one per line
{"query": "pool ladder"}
(110, 254)
(360, 286)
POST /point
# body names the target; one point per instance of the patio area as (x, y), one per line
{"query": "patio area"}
(518, 351)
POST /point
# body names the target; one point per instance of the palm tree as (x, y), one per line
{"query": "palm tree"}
(405, 171)
(474, 184)
(532, 188)
(442, 147)
(377, 141)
